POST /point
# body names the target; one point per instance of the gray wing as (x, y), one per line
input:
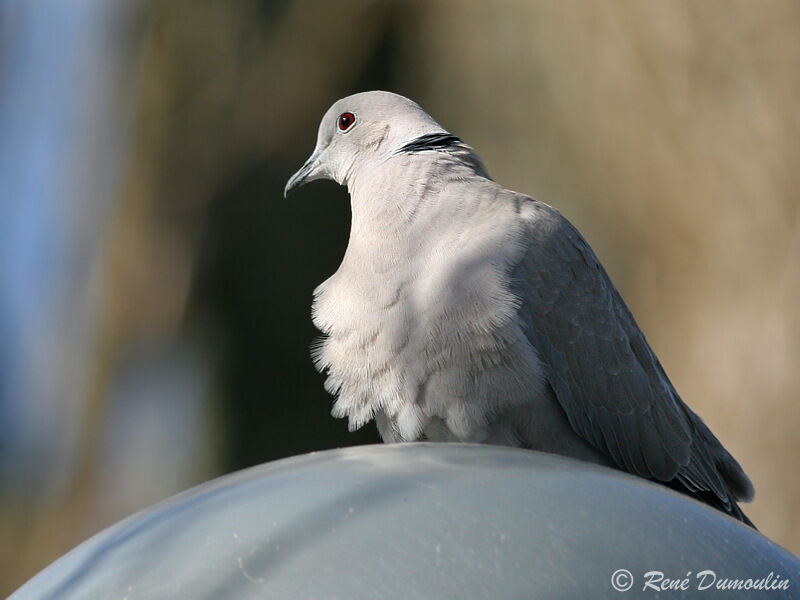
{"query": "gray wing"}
(604, 374)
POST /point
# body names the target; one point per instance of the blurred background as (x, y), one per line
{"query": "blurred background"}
(155, 286)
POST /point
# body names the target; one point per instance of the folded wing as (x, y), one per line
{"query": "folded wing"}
(605, 375)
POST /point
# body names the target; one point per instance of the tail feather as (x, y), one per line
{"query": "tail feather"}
(739, 485)
(728, 507)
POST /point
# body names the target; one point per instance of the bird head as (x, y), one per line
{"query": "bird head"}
(360, 130)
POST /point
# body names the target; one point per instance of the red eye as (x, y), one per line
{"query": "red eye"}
(346, 121)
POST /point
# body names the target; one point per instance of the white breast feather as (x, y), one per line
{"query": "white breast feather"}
(423, 325)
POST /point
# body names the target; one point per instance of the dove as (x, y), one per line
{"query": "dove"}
(466, 312)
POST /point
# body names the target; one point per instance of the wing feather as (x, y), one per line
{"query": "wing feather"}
(605, 375)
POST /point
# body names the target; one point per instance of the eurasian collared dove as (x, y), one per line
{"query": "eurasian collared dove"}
(463, 311)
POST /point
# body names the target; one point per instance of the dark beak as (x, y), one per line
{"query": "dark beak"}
(306, 173)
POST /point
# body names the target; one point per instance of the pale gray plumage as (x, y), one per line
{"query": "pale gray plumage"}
(465, 311)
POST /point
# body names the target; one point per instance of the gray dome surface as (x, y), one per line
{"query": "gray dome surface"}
(421, 521)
